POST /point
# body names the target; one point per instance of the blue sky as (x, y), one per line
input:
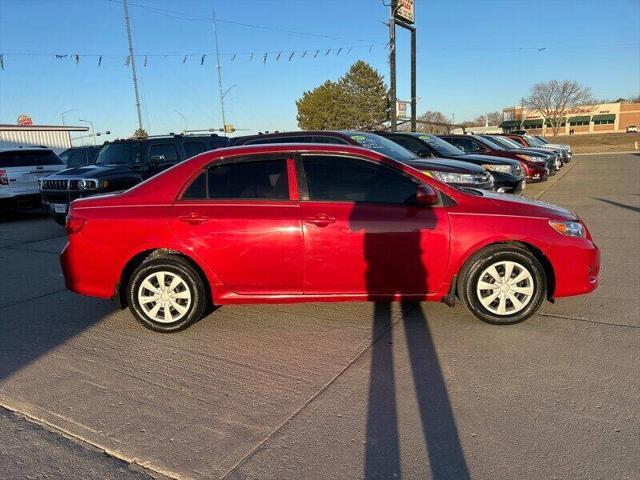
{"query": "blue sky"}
(473, 56)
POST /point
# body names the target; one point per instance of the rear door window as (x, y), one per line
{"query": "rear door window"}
(250, 180)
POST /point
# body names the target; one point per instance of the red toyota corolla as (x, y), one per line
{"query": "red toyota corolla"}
(300, 223)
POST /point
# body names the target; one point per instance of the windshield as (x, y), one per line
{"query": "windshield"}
(534, 142)
(28, 158)
(505, 142)
(443, 148)
(120, 154)
(382, 145)
(543, 140)
(490, 142)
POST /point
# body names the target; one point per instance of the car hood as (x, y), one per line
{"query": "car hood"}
(94, 171)
(444, 165)
(518, 205)
(534, 152)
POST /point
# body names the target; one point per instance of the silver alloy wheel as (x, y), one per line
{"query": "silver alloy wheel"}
(164, 297)
(505, 288)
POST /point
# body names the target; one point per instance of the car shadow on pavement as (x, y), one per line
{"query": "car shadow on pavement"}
(617, 204)
(32, 329)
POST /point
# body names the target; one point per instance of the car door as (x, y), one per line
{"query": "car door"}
(241, 217)
(364, 234)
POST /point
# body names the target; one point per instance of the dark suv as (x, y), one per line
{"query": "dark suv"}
(121, 164)
(452, 172)
(507, 174)
(80, 156)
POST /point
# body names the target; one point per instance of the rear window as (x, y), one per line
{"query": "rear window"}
(191, 149)
(29, 158)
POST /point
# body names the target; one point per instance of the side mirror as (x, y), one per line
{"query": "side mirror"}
(424, 153)
(156, 160)
(426, 195)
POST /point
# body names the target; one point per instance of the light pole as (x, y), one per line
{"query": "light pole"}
(184, 119)
(93, 130)
(65, 112)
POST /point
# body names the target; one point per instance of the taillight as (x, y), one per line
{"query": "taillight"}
(4, 179)
(74, 224)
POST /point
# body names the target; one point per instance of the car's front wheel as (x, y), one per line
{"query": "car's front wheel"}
(503, 285)
(166, 294)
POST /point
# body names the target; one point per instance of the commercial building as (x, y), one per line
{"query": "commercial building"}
(602, 118)
(58, 138)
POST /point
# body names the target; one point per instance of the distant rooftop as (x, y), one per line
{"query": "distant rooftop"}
(32, 128)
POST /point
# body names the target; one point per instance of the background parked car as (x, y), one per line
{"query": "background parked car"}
(122, 164)
(532, 143)
(534, 165)
(80, 156)
(554, 157)
(453, 172)
(20, 170)
(507, 174)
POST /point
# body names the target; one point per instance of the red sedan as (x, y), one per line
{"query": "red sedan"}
(300, 223)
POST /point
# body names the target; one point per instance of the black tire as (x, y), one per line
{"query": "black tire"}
(478, 263)
(193, 282)
(60, 218)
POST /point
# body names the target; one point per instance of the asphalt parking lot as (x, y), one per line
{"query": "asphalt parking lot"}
(319, 391)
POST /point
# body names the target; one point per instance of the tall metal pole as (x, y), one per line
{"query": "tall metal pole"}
(219, 67)
(392, 68)
(413, 80)
(133, 61)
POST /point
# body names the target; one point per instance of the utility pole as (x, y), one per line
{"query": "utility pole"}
(522, 113)
(219, 68)
(132, 58)
(392, 69)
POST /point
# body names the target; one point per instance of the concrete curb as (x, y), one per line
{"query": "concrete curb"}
(606, 153)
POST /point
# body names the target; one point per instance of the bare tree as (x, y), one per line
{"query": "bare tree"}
(495, 118)
(555, 98)
(438, 118)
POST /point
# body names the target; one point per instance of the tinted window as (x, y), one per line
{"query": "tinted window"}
(345, 179)
(198, 189)
(289, 139)
(120, 153)
(440, 146)
(92, 155)
(76, 158)
(466, 144)
(191, 149)
(265, 180)
(29, 158)
(166, 150)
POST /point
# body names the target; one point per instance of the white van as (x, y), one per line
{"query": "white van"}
(20, 170)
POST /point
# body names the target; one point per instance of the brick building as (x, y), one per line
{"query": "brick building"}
(602, 118)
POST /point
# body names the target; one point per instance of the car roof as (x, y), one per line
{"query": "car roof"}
(26, 148)
(296, 133)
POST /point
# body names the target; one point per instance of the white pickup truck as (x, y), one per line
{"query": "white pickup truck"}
(20, 170)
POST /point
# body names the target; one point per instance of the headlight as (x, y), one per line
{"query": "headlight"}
(530, 158)
(449, 177)
(498, 168)
(87, 184)
(572, 229)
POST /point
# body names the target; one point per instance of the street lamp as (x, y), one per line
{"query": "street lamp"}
(93, 131)
(65, 112)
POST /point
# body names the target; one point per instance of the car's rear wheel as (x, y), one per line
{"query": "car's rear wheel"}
(503, 285)
(166, 294)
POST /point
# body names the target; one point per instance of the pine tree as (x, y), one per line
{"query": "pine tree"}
(140, 133)
(358, 101)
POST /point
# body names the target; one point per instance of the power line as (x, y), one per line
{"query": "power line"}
(183, 16)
